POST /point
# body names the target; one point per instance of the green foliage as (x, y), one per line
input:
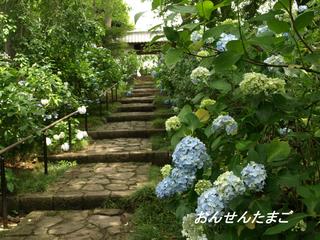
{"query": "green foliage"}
(277, 128)
(29, 181)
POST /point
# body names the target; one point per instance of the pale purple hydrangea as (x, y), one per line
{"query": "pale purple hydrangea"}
(226, 122)
(254, 176)
(302, 8)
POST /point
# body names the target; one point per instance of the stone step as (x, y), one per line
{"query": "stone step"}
(136, 107)
(137, 100)
(83, 224)
(127, 125)
(136, 116)
(144, 85)
(155, 157)
(86, 186)
(138, 90)
(140, 133)
(143, 94)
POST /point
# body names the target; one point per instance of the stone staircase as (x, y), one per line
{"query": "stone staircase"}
(116, 164)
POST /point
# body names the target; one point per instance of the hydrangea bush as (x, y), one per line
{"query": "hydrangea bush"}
(259, 61)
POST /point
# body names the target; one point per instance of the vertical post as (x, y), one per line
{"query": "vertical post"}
(4, 193)
(86, 121)
(116, 92)
(45, 153)
(100, 108)
(112, 94)
(107, 101)
(70, 134)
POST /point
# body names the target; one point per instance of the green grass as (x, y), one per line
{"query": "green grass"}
(160, 142)
(159, 122)
(28, 181)
(152, 218)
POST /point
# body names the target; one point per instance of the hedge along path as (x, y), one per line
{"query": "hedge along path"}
(114, 166)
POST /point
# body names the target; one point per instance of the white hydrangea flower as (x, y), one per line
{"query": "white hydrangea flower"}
(229, 186)
(191, 230)
(196, 36)
(82, 110)
(201, 54)
(256, 83)
(223, 41)
(276, 60)
(62, 135)
(200, 74)
(173, 123)
(302, 8)
(207, 102)
(65, 147)
(262, 30)
(266, 6)
(44, 102)
(81, 135)
(48, 141)
(56, 137)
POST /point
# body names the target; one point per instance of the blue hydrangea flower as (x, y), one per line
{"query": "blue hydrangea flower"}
(190, 153)
(165, 188)
(210, 203)
(227, 122)
(178, 181)
(223, 41)
(129, 93)
(254, 176)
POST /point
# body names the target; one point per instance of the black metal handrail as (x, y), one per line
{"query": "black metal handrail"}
(114, 93)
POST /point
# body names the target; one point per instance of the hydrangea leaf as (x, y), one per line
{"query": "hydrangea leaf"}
(304, 19)
(278, 151)
(183, 9)
(281, 227)
(173, 55)
(278, 26)
(205, 9)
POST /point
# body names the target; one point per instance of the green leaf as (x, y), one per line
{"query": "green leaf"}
(156, 4)
(137, 16)
(281, 227)
(171, 34)
(304, 20)
(278, 26)
(183, 9)
(221, 85)
(184, 111)
(278, 151)
(203, 115)
(235, 46)
(205, 9)
(192, 121)
(173, 55)
(226, 60)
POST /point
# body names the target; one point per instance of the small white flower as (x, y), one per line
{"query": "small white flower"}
(79, 135)
(62, 135)
(65, 147)
(56, 137)
(85, 134)
(302, 8)
(48, 141)
(82, 110)
(44, 102)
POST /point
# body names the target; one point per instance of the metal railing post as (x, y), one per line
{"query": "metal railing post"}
(107, 101)
(45, 153)
(100, 108)
(116, 92)
(70, 134)
(4, 193)
(112, 94)
(86, 121)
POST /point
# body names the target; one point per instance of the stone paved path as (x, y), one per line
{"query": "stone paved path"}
(114, 166)
(97, 224)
